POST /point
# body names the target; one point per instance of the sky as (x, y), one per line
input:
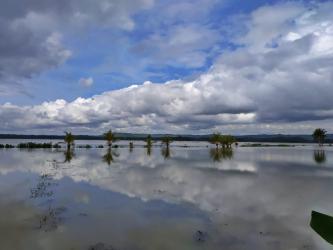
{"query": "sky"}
(157, 66)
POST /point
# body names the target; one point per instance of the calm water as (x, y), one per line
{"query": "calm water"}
(254, 198)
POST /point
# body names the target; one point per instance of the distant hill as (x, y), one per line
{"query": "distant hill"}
(130, 136)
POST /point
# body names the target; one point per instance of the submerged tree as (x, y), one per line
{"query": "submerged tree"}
(216, 139)
(149, 141)
(131, 146)
(110, 137)
(149, 144)
(166, 141)
(227, 141)
(319, 135)
(69, 139)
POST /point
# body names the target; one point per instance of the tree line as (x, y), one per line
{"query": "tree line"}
(223, 141)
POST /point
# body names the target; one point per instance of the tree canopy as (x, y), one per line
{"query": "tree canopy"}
(319, 135)
(110, 137)
(69, 139)
(166, 140)
(224, 140)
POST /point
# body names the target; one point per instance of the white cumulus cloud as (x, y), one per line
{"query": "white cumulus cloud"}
(280, 77)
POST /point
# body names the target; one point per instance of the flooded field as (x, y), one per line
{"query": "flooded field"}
(184, 198)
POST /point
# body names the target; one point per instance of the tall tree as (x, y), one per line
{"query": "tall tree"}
(69, 139)
(149, 141)
(131, 146)
(149, 144)
(110, 137)
(319, 135)
(166, 140)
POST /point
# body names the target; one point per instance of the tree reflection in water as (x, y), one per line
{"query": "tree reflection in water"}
(149, 150)
(109, 156)
(166, 152)
(69, 155)
(319, 156)
(217, 154)
(131, 146)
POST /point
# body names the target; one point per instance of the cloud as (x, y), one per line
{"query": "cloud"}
(284, 77)
(181, 36)
(34, 32)
(86, 82)
(179, 46)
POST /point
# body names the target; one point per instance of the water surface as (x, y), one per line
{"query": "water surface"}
(190, 198)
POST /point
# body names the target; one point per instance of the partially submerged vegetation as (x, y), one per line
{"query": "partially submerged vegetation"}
(110, 137)
(224, 141)
(223, 149)
(31, 145)
(87, 146)
(6, 146)
(69, 139)
(38, 145)
(166, 141)
(319, 135)
(266, 145)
